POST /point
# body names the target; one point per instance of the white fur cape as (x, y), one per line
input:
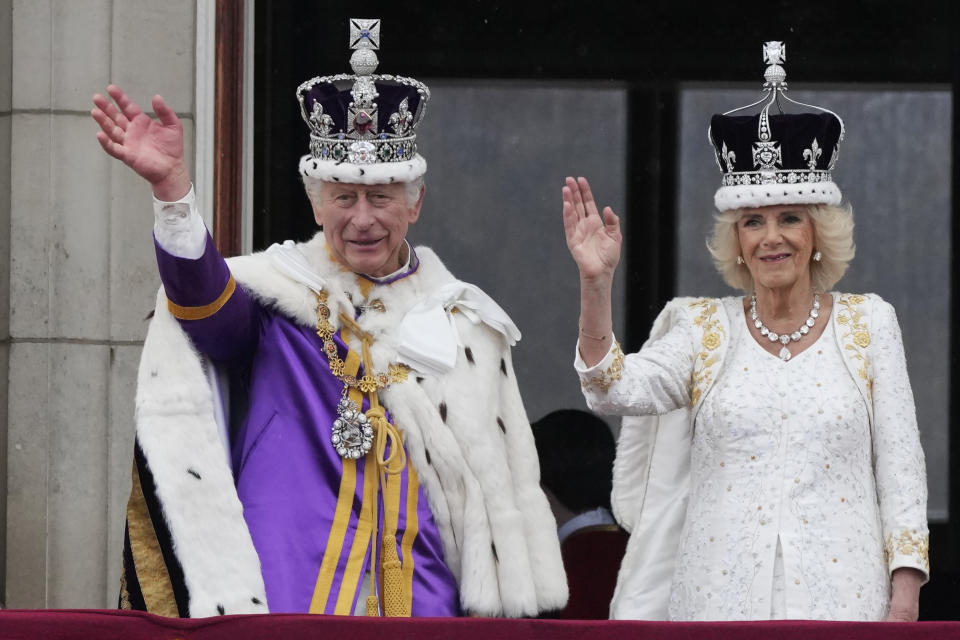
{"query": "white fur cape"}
(466, 433)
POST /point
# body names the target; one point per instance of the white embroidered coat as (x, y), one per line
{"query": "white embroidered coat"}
(838, 556)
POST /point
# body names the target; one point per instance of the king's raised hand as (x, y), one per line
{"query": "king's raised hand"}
(152, 148)
(594, 240)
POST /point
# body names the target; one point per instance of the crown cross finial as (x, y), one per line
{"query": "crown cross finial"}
(365, 41)
(774, 52)
(774, 55)
(364, 33)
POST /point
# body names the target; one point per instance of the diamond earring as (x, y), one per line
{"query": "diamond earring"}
(739, 259)
(817, 256)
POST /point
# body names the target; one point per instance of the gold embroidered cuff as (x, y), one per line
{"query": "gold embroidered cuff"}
(205, 311)
(908, 545)
(603, 380)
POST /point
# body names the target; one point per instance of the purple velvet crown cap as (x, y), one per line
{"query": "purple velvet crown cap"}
(335, 101)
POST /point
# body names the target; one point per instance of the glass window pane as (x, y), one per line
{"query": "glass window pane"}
(497, 153)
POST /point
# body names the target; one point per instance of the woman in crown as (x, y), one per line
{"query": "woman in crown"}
(777, 472)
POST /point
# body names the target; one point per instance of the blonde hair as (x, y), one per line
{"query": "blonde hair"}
(833, 238)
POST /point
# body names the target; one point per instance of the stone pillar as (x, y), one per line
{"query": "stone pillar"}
(81, 281)
(6, 64)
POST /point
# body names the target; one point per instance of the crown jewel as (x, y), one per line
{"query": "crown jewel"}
(776, 158)
(371, 123)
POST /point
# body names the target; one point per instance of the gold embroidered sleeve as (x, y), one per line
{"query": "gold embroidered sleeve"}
(604, 379)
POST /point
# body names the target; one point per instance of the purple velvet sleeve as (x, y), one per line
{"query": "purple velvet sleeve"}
(229, 332)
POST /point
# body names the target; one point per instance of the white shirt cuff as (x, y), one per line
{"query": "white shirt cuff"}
(178, 227)
(603, 365)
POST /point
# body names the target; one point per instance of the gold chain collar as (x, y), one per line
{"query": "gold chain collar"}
(370, 381)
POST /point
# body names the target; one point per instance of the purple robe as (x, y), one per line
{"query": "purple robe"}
(302, 503)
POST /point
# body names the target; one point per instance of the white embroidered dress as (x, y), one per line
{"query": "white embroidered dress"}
(791, 498)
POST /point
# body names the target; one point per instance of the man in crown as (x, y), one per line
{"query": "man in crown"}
(369, 452)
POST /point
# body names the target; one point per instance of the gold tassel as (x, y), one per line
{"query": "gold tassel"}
(394, 604)
(392, 592)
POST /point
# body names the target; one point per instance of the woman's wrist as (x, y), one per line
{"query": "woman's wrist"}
(599, 283)
(594, 334)
(907, 579)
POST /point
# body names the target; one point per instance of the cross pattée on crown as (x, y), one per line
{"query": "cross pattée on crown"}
(774, 52)
(365, 33)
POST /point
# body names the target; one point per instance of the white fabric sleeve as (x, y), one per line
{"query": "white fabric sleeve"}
(899, 464)
(653, 381)
(178, 227)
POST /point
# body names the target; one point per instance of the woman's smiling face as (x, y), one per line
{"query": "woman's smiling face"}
(776, 243)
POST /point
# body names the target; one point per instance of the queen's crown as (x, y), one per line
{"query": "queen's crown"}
(794, 151)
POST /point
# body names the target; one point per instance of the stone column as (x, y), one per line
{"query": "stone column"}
(6, 63)
(81, 281)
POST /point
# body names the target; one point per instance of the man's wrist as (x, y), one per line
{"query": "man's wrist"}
(174, 186)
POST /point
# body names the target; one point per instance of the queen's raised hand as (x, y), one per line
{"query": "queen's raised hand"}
(594, 240)
(152, 148)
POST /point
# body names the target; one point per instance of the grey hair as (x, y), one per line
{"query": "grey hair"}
(412, 189)
(833, 238)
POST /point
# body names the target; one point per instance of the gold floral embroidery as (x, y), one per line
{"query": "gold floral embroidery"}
(605, 379)
(908, 543)
(713, 334)
(857, 339)
(710, 341)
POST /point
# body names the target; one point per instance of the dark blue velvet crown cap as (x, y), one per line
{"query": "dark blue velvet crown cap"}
(794, 132)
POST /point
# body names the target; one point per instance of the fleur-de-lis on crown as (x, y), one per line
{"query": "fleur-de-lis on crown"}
(812, 154)
(321, 122)
(401, 119)
(729, 157)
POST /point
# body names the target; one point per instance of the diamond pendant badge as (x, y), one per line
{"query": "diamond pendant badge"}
(352, 435)
(785, 354)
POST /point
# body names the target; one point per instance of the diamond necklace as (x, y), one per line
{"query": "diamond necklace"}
(785, 338)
